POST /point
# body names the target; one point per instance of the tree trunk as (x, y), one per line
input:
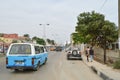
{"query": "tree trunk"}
(104, 51)
(104, 55)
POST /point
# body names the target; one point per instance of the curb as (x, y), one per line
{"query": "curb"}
(101, 74)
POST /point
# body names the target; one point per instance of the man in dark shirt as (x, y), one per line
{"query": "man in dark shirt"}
(91, 52)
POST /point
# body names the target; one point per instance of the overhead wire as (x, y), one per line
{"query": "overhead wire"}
(103, 4)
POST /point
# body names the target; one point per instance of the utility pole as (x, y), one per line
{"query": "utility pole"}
(44, 32)
(119, 25)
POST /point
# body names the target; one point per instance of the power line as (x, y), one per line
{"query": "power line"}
(103, 4)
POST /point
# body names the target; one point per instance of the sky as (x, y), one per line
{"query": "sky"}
(24, 16)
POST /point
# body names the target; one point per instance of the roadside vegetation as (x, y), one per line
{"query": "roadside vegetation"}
(42, 41)
(93, 29)
(116, 65)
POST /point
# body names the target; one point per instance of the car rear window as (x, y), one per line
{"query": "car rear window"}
(20, 49)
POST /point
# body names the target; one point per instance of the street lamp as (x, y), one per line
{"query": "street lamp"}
(44, 30)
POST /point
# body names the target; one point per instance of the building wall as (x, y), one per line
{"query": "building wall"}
(15, 36)
(6, 40)
(9, 38)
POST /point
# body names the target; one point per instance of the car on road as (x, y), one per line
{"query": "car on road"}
(22, 56)
(59, 48)
(74, 54)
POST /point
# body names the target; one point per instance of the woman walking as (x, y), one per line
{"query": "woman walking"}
(87, 53)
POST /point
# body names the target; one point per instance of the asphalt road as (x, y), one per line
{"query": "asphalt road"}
(56, 68)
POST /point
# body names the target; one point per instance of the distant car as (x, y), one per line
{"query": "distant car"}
(58, 48)
(74, 54)
(52, 49)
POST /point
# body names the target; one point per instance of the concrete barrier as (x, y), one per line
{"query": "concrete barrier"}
(101, 74)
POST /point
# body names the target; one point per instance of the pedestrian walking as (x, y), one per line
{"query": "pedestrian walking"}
(91, 52)
(87, 53)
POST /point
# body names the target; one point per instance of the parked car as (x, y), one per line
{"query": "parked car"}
(74, 54)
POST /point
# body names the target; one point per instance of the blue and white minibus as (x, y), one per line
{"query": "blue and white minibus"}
(26, 56)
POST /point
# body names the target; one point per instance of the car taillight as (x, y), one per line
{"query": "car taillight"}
(33, 61)
(6, 60)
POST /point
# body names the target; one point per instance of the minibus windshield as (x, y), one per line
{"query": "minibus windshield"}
(20, 49)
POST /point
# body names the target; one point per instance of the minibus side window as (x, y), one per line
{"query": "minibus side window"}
(37, 50)
(41, 49)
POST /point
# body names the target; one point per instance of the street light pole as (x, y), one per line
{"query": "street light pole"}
(44, 31)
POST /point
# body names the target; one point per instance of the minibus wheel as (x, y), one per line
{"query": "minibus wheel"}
(45, 61)
(37, 67)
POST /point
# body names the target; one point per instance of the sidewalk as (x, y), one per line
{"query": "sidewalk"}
(104, 71)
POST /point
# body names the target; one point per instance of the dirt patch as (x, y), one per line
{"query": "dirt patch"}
(98, 59)
(109, 62)
(2, 55)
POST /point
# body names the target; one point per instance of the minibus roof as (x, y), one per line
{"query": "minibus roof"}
(28, 43)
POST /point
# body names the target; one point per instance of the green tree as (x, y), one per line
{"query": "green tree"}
(88, 25)
(49, 41)
(107, 34)
(79, 38)
(1, 34)
(14, 41)
(92, 28)
(26, 35)
(39, 40)
(52, 42)
(34, 38)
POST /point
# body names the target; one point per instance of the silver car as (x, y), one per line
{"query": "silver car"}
(74, 54)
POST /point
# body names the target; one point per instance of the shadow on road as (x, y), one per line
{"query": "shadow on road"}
(26, 70)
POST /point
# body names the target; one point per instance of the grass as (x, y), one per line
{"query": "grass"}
(116, 65)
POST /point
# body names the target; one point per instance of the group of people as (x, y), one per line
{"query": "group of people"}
(90, 54)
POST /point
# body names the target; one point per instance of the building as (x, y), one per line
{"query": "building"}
(7, 39)
(13, 36)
